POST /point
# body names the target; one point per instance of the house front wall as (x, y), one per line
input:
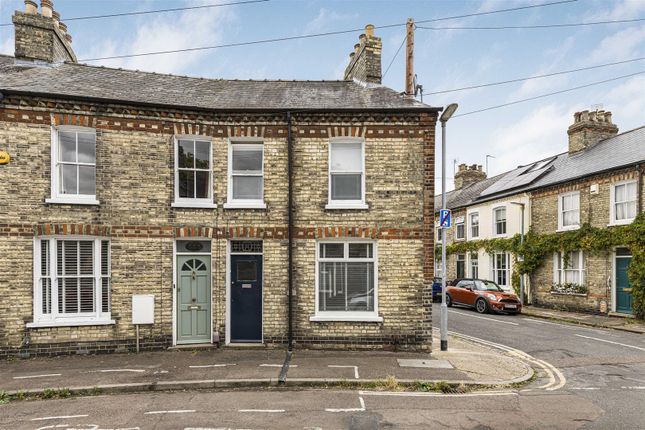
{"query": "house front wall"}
(599, 266)
(134, 185)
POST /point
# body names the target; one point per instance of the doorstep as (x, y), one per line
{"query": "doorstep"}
(185, 346)
(620, 315)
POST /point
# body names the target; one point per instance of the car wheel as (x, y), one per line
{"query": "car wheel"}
(481, 306)
(448, 300)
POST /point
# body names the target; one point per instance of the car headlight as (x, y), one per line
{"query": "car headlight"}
(492, 297)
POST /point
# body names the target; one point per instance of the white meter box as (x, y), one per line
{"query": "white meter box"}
(143, 309)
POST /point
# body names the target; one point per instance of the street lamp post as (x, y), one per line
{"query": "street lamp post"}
(445, 116)
(521, 205)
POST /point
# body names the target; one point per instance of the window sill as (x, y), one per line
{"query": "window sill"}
(44, 324)
(245, 205)
(561, 229)
(348, 318)
(195, 205)
(621, 222)
(340, 206)
(66, 201)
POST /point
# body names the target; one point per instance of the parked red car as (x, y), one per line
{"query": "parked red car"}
(484, 296)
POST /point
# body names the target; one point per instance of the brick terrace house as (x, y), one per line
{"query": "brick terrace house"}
(598, 181)
(245, 208)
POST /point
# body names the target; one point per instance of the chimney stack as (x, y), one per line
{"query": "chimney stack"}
(365, 62)
(589, 128)
(468, 175)
(41, 36)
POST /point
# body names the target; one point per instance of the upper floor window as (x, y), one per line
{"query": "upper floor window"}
(346, 286)
(71, 282)
(346, 174)
(193, 173)
(623, 198)
(499, 220)
(460, 231)
(246, 175)
(569, 268)
(73, 171)
(474, 225)
(569, 211)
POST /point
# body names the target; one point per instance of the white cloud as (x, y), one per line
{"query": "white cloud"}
(326, 17)
(193, 28)
(539, 134)
(626, 103)
(625, 9)
(623, 44)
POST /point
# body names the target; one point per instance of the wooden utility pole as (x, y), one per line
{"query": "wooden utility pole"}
(409, 58)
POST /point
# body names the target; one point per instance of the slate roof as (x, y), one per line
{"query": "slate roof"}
(92, 82)
(620, 151)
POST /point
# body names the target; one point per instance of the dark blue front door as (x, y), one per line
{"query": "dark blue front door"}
(246, 298)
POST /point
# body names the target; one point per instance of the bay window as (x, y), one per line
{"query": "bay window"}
(346, 281)
(71, 282)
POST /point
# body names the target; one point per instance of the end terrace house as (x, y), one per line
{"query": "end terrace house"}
(251, 211)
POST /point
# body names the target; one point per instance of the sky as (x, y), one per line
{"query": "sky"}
(444, 59)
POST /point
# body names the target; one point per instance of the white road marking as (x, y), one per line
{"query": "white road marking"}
(428, 394)
(118, 370)
(37, 376)
(62, 417)
(277, 365)
(361, 409)
(612, 342)
(268, 411)
(633, 388)
(551, 371)
(585, 388)
(340, 366)
(484, 318)
(211, 365)
(178, 411)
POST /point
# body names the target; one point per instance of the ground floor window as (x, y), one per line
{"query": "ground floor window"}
(346, 282)
(474, 265)
(569, 268)
(71, 281)
(501, 268)
(461, 265)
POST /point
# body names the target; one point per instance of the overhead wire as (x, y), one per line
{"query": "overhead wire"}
(546, 75)
(548, 94)
(147, 12)
(323, 34)
(538, 26)
(396, 54)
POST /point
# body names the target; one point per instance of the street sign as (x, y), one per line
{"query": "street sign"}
(444, 218)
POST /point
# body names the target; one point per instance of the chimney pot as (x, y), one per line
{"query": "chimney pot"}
(31, 7)
(56, 16)
(351, 55)
(361, 38)
(365, 63)
(369, 30)
(357, 47)
(62, 26)
(46, 8)
(468, 175)
(69, 38)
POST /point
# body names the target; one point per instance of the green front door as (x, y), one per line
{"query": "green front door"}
(623, 289)
(193, 299)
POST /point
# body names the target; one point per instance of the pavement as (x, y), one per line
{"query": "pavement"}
(235, 368)
(616, 322)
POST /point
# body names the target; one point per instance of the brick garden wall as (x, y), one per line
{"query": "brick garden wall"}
(135, 188)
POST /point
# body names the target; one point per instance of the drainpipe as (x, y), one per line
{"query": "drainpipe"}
(639, 186)
(290, 226)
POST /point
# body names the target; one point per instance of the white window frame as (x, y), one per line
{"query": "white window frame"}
(470, 225)
(346, 204)
(461, 258)
(495, 269)
(470, 264)
(356, 316)
(559, 270)
(231, 203)
(54, 319)
(495, 209)
(56, 196)
(561, 226)
(187, 202)
(612, 203)
(463, 228)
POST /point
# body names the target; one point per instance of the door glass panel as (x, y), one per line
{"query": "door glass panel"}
(246, 271)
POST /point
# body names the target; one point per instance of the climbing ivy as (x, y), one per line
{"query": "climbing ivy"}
(537, 247)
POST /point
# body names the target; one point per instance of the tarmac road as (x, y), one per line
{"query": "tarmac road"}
(604, 366)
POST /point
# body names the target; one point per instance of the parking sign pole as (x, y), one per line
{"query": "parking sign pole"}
(444, 306)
